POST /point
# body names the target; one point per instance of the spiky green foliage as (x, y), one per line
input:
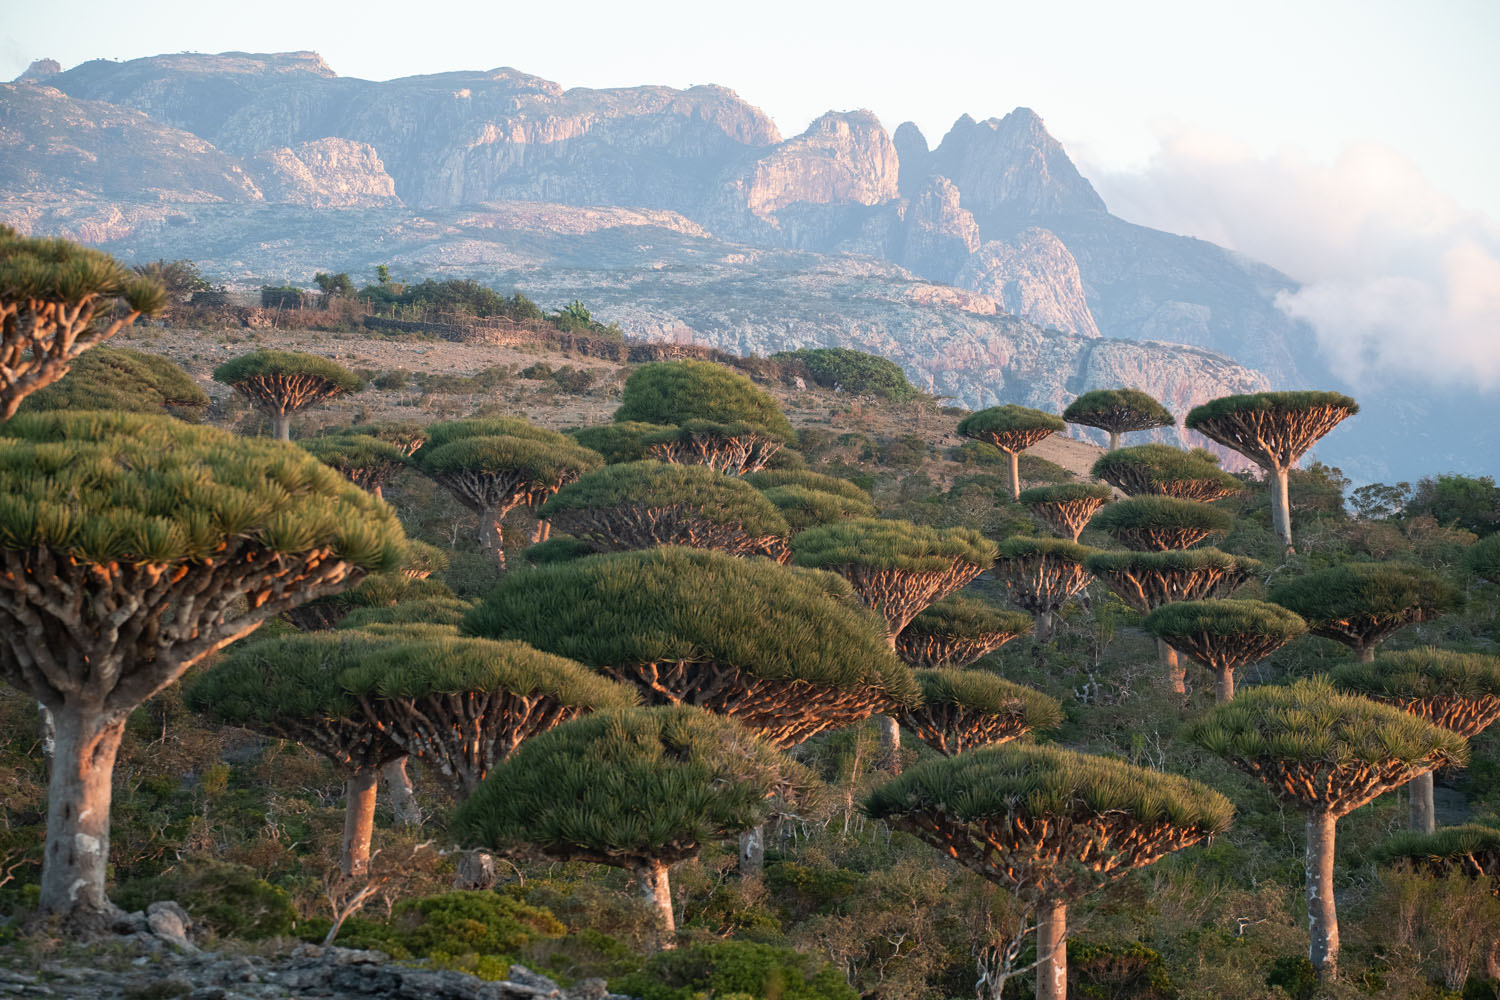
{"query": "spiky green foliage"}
(477, 427)
(856, 372)
(367, 461)
(748, 637)
(1160, 522)
(1322, 750)
(1009, 418)
(329, 377)
(1065, 509)
(734, 448)
(446, 611)
(1458, 691)
(1272, 428)
(1064, 493)
(674, 392)
(805, 508)
(1471, 850)
(488, 471)
(624, 441)
(964, 709)
(406, 435)
(1048, 823)
(880, 543)
(58, 300)
(419, 560)
(1225, 623)
(1118, 411)
(626, 788)
(125, 488)
(773, 478)
(1483, 559)
(558, 549)
(1166, 471)
(958, 630)
(117, 378)
(1362, 604)
(1147, 580)
(639, 504)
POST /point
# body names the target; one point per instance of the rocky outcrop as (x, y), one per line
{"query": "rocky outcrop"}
(40, 69)
(1033, 277)
(325, 173)
(911, 149)
(938, 234)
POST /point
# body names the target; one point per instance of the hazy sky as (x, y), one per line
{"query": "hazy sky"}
(1355, 145)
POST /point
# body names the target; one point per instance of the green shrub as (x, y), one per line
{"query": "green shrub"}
(624, 441)
(852, 371)
(673, 392)
(1117, 972)
(228, 900)
(725, 969)
(115, 378)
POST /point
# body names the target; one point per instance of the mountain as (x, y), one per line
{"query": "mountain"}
(937, 253)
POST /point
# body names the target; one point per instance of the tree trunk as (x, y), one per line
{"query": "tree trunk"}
(1043, 631)
(1365, 654)
(1015, 475)
(282, 422)
(78, 802)
(379, 492)
(491, 536)
(753, 851)
(476, 870)
(1052, 951)
(1114, 439)
(1176, 673)
(543, 531)
(49, 735)
(359, 820)
(398, 790)
(890, 743)
(1224, 685)
(1322, 918)
(1423, 807)
(1492, 961)
(656, 886)
(1281, 508)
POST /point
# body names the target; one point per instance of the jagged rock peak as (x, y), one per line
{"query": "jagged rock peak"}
(843, 158)
(1034, 277)
(218, 64)
(912, 153)
(40, 69)
(909, 137)
(940, 235)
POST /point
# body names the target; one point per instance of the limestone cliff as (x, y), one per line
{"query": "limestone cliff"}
(1034, 277)
(938, 234)
(325, 173)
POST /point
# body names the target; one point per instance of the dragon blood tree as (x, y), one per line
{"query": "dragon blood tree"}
(804, 508)
(288, 688)
(1327, 754)
(640, 789)
(131, 547)
(1470, 851)
(117, 378)
(1364, 604)
(787, 653)
(1161, 470)
(724, 420)
(964, 709)
(1050, 826)
(281, 383)
(57, 300)
(638, 505)
(1157, 523)
(1012, 429)
(624, 441)
(1066, 508)
(1273, 430)
(1118, 411)
(1041, 575)
(405, 435)
(768, 479)
(1458, 691)
(1224, 635)
(494, 465)
(1147, 580)
(956, 631)
(365, 461)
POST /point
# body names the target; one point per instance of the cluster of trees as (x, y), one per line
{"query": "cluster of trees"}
(708, 605)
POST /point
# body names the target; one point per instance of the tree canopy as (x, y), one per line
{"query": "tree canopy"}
(1271, 428)
(118, 378)
(280, 383)
(804, 508)
(1166, 471)
(1483, 559)
(366, 461)
(1468, 502)
(731, 448)
(1041, 574)
(1118, 411)
(964, 709)
(1005, 426)
(957, 630)
(1067, 507)
(57, 300)
(1458, 691)
(1224, 635)
(1161, 522)
(1147, 580)
(674, 392)
(768, 479)
(1363, 604)
(622, 441)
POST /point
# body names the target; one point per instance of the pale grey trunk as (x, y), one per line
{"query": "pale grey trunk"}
(1044, 626)
(1322, 918)
(491, 536)
(282, 423)
(359, 820)
(1224, 685)
(656, 886)
(1423, 805)
(1052, 951)
(1114, 439)
(1281, 508)
(49, 735)
(1365, 654)
(476, 870)
(1176, 673)
(890, 743)
(1015, 475)
(753, 851)
(76, 854)
(399, 791)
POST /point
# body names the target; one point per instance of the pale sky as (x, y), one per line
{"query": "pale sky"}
(1355, 144)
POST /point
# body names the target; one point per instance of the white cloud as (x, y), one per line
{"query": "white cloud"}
(1397, 278)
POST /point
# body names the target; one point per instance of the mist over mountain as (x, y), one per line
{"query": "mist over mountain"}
(987, 264)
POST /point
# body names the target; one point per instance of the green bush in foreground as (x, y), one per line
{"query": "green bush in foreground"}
(117, 378)
(735, 969)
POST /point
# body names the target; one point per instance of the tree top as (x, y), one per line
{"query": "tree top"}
(1118, 411)
(806, 508)
(106, 487)
(1024, 547)
(1157, 468)
(887, 544)
(717, 498)
(1064, 493)
(624, 441)
(957, 615)
(691, 430)
(674, 604)
(1226, 618)
(118, 378)
(558, 549)
(1010, 417)
(1170, 561)
(768, 479)
(671, 392)
(58, 270)
(626, 787)
(1422, 673)
(286, 364)
(1273, 428)
(1469, 848)
(982, 692)
(1310, 722)
(1389, 590)
(349, 452)
(997, 782)
(453, 430)
(1278, 403)
(1161, 513)
(534, 459)
(271, 681)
